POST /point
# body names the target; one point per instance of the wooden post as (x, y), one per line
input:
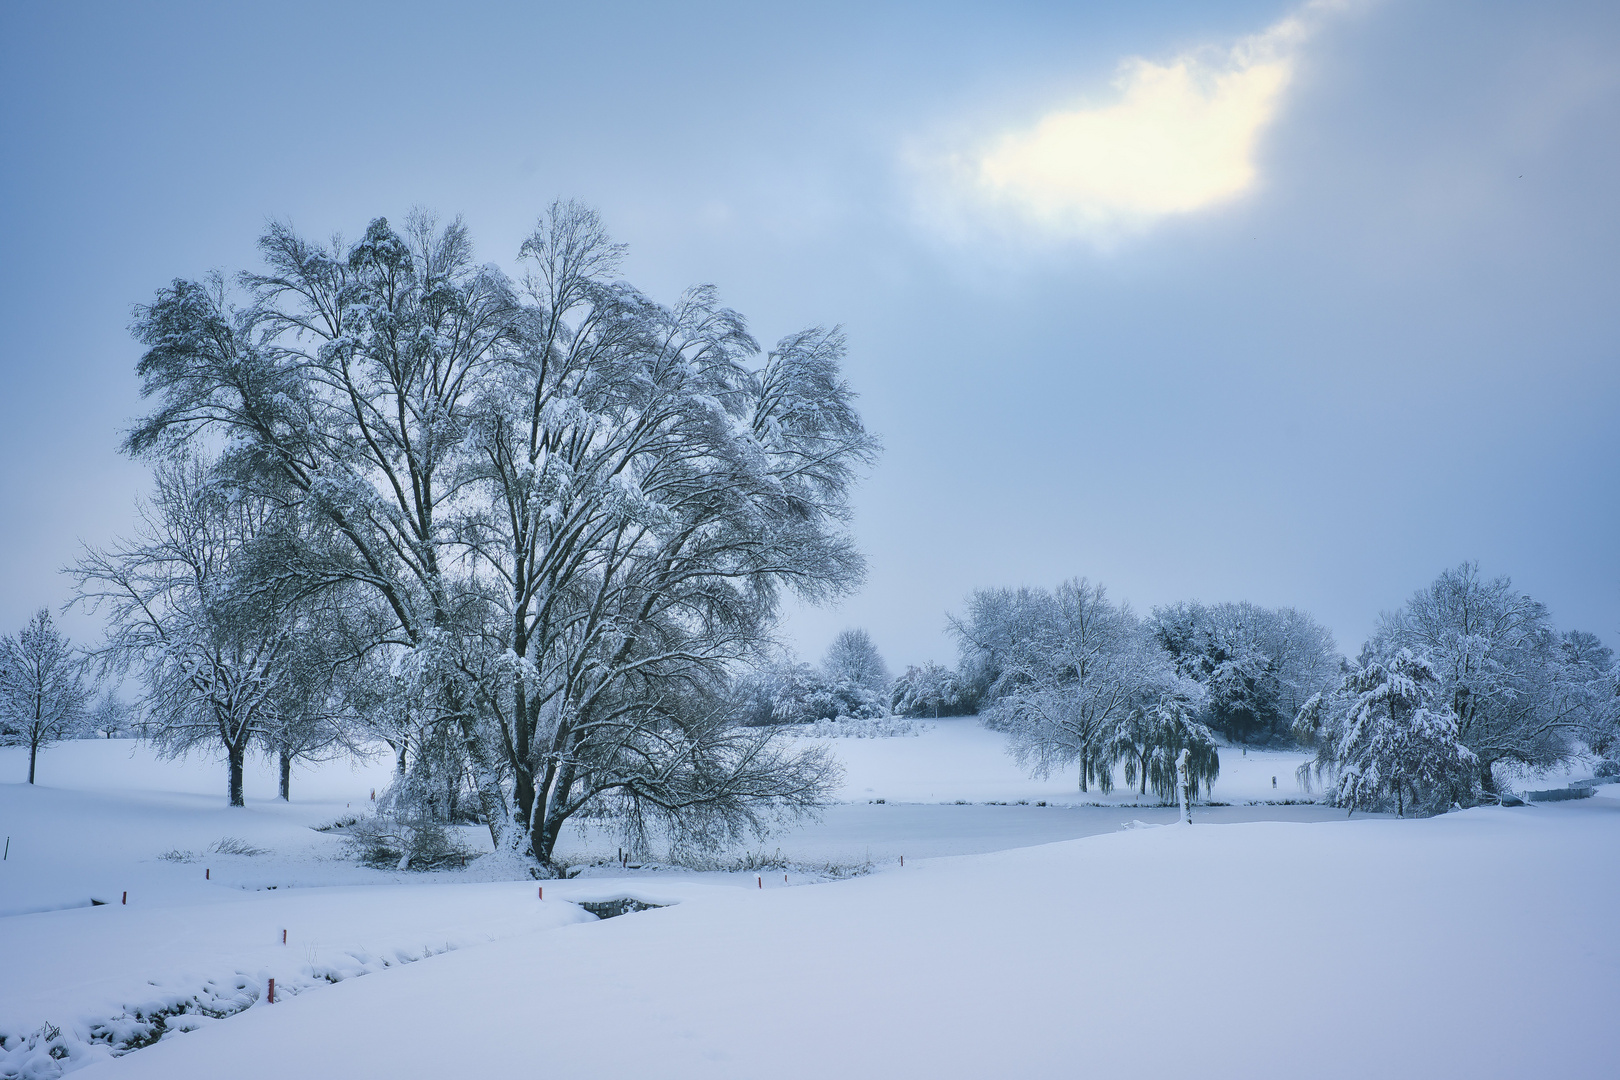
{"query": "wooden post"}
(761, 880)
(540, 892)
(1184, 783)
(125, 900)
(272, 997)
(284, 937)
(207, 874)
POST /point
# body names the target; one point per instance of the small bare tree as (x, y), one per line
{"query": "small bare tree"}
(42, 694)
(212, 653)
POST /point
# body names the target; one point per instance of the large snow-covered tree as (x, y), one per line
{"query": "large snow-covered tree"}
(42, 694)
(1257, 665)
(1519, 692)
(577, 508)
(1386, 734)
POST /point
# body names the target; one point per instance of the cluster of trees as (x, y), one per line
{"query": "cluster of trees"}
(852, 681)
(1468, 676)
(1079, 681)
(525, 530)
(1466, 679)
(1257, 665)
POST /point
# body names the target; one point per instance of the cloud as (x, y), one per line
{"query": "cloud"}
(1176, 137)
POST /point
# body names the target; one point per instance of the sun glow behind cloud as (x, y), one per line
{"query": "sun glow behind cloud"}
(1177, 137)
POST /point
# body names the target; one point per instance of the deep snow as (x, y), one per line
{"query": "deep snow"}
(1480, 944)
(1477, 943)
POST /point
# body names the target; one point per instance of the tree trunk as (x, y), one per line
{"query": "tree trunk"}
(236, 754)
(33, 753)
(548, 813)
(1184, 782)
(286, 776)
(399, 763)
(1400, 802)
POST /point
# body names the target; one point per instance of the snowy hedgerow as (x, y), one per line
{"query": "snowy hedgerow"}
(1387, 736)
(789, 693)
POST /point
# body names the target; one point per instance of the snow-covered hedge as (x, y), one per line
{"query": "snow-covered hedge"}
(849, 727)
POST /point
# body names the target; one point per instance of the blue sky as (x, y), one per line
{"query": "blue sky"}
(1348, 319)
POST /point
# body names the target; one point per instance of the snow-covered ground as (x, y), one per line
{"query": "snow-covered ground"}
(958, 758)
(1479, 943)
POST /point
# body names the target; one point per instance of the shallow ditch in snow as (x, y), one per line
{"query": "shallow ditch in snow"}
(51, 1050)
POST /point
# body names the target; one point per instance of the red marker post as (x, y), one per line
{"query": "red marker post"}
(272, 997)
(540, 892)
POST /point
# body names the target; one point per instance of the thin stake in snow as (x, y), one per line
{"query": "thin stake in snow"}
(761, 880)
(272, 996)
(125, 900)
(207, 874)
(902, 860)
(284, 937)
(7, 855)
(1184, 784)
(540, 892)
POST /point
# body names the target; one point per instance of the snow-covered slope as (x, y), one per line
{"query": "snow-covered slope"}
(1479, 944)
(1242, 946)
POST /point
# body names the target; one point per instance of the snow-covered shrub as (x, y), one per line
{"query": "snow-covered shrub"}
(393, 844)
(1564, 794)
(850, 727)
(801, 694)
(1607, 769)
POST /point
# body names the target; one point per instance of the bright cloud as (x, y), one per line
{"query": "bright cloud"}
(1179, 136)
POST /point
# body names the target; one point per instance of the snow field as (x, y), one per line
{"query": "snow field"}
(1257, 938)
(1477, 944)
(958, 758)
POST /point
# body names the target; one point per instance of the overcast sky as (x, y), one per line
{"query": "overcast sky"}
(1294, 304)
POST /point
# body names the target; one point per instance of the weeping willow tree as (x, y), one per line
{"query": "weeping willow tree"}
(1081, 683)
(1151, 740)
